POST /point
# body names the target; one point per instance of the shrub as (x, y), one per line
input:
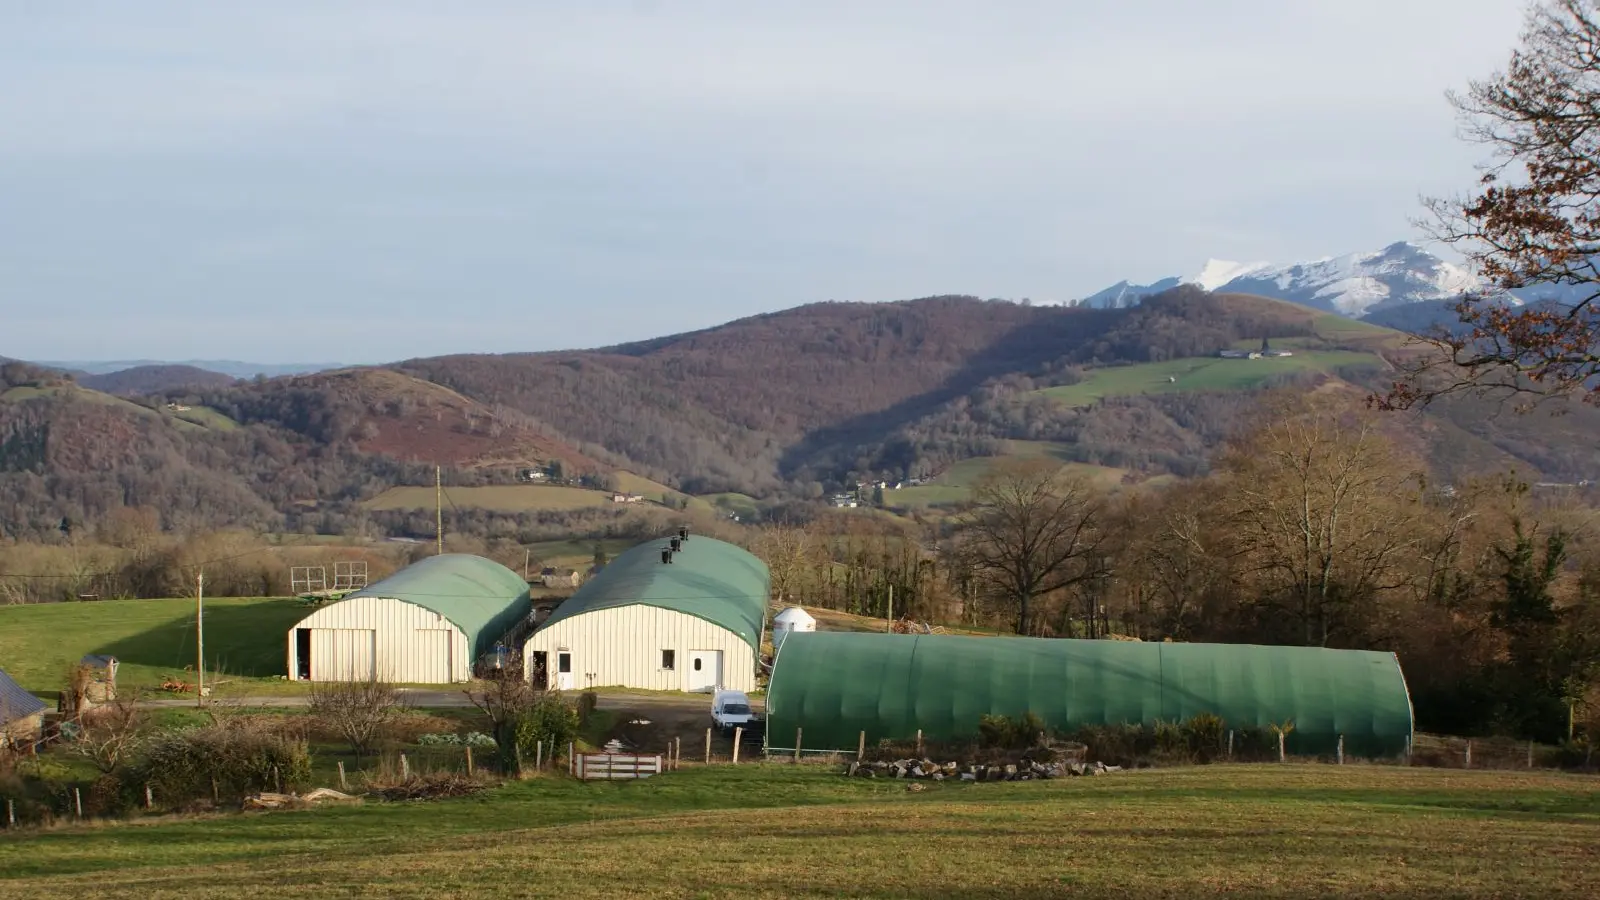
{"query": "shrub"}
(1204, 735)
(587, 702)
(183, 765)
(1008, 733)
(550, 719)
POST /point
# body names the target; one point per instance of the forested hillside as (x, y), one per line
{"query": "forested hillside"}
(780, 406)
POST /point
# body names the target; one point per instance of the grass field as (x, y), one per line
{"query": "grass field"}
(1200, 374)
(954, 485)
(800, 831)
(152, 638)
(577, 554)
(205, 417)
(508, 498)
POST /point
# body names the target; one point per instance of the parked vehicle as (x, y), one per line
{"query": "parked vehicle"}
(730, 709)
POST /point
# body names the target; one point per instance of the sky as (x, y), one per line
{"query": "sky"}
(316, 180)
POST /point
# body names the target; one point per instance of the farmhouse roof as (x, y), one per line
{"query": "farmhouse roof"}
(479, 596)
(16, 703)
(708, 579)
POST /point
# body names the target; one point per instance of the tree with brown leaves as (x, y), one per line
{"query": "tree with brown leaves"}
(1034, 530)
(1534, 221)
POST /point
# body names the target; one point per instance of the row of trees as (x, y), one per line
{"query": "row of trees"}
(1316, 528)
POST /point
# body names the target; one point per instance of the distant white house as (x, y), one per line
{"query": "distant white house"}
(626, 498)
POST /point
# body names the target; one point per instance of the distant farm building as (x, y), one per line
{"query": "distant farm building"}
(833, 686)
(94, 682)
(658, 618)
(790, 620)
(427, 623)
(560, 578)
(21, 714)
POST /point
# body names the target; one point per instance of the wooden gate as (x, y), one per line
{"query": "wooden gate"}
(617, 766)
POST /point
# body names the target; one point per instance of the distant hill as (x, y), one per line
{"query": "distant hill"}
(155, 379)
(789, 405)
(230, 367)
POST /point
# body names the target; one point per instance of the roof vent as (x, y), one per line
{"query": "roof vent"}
(666, 556)
(677, 544)
(683, 533)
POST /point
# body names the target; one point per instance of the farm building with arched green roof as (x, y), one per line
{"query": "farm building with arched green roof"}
(833, 686)
(425, 624)
(689, 620)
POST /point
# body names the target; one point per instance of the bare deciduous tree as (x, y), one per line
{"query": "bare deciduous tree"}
(358, 710)
(1535, 220)
(109, 735)
(785, 548)
(1323, 510)
(1034, 530)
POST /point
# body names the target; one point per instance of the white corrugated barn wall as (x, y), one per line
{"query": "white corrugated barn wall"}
(376, 637)
(622, 648)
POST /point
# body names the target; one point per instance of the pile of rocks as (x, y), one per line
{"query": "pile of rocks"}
(1024, 770)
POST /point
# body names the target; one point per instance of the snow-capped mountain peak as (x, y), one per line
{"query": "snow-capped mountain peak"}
(1351, 285)
(1218, 272)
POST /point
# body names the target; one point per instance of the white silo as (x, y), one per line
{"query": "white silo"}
(791, 619)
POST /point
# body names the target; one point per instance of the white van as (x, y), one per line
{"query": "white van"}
(730, 709)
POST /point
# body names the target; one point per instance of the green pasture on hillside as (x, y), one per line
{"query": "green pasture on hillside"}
(778, 830)
(1209, 373)
(954, 485)
(153, 638)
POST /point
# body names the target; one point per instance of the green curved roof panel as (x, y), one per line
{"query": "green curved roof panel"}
(834, 685)
(709, 579)
(479, 596)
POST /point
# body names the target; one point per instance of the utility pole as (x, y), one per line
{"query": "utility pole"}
(891, 609)
(527, 557)
(199, 638)
(438, 505)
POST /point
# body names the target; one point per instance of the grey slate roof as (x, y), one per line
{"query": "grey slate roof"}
(16, 703)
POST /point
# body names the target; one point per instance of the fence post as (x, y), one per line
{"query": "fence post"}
(77, 801)
(677, 754)
(1282, 755)
(797, 745)
(216, 795)
(277, 783)
(708, 746)
(1530, 754)
(1469, 753)
(861, 747)
(405, 768)
(149, 801)
(538, 755)
(11, 813)
(1230, 743)
(919, 743)
(342, 785)
(571, 755)
(1341, 749)
(738, 735)
(469, 759)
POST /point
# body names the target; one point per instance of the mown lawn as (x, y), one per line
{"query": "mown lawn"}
(954, 485)
(787, 831)
(152, 638)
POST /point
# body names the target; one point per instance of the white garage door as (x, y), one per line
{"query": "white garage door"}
(343, 654)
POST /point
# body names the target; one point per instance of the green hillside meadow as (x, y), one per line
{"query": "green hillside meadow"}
(1208, 373)
(245, 637)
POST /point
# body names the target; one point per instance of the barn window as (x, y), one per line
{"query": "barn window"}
(669, 659)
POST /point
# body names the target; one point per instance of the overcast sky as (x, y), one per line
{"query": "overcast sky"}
(359, 182)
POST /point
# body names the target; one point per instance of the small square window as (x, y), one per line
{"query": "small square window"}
(669, 659)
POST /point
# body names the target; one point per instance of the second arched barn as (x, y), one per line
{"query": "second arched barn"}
(658, 619)
(833, 686)
(426, 624)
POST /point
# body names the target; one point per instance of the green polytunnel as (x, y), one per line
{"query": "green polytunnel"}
(835, 685)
